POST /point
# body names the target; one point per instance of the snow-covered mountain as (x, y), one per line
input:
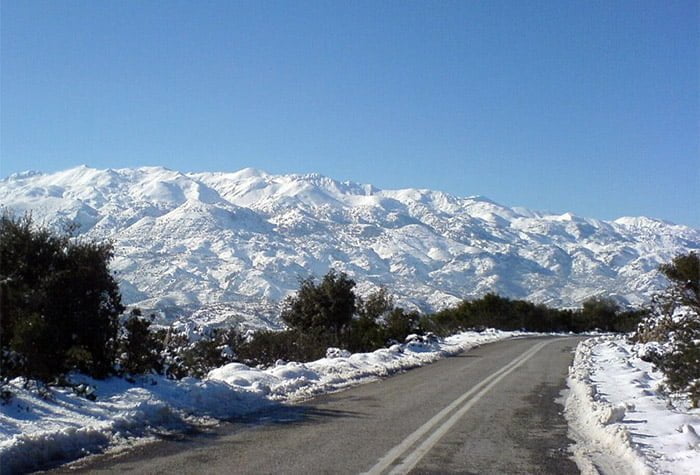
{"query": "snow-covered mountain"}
(232, 244)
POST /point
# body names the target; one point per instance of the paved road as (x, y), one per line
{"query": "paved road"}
(489, 410)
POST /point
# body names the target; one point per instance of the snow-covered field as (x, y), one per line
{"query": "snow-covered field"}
(36, 431)
(621, 419)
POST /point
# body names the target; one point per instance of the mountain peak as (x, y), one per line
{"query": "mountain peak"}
(186, 240)
(642, 221)
(249, 172)
(23, 175)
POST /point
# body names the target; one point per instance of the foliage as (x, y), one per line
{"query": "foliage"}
(139, 348)
(600, 313)
(213, 347)
(58, 300)
(399, 324)
(329, 314)
(671, 331)
(366, 331)
(328, 306)
(683, 273)
(267, 347)
(379, 322)
(681, 364)
(503, 313)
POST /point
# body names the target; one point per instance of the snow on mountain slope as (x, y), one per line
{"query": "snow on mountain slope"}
(237, 243)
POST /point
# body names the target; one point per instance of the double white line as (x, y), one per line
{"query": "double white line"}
(466, 400)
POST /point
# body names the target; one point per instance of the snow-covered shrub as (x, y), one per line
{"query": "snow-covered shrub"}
(670, 336)
(195, 352)
(337, 353)
(681, 364)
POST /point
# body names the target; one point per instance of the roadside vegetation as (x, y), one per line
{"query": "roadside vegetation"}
(597, 314)
(62, 312)
(670, 334)
(60, 305)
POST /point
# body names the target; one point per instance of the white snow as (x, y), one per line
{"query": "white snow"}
(36, 430)
(187, 241)
(621, 420)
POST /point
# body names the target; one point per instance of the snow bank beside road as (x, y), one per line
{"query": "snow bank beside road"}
(619, 418)
(295, 381)
(36, 430)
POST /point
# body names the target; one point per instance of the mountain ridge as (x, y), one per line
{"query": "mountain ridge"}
(243, 239)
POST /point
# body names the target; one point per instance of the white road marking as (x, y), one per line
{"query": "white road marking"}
(477, 392)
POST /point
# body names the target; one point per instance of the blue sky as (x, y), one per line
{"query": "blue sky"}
(590, 107)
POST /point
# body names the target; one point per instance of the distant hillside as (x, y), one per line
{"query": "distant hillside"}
(233, 244)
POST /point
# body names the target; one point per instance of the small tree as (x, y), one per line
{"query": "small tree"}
(683, 273)
(600, 313)
(368, 328)
(59, 302)
(375, 305)
(139, 348)
(324, 307)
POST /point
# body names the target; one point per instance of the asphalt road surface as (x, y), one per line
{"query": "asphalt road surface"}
(489, 410)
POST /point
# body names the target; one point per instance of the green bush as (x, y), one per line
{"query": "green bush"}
(58, 300)
(266, 347)
(139, 348)
(683, 273)
(599, 313)
(328, 306)
(399, 324)
(329, 314)
(367, 330)
(502, 313)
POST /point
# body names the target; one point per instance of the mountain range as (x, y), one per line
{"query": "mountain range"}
(225, 247)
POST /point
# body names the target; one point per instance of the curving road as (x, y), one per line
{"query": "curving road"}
(489, 410)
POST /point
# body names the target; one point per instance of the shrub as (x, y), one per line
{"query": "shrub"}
(681, 364)
(683, 273)
(672, 328)
(505, 314)
(399, 324)
(139, 348)
(600, 313)
(266, 347)
(325, 307)
(58, 300)
(330, 315)
(212, 348)
(366, 332)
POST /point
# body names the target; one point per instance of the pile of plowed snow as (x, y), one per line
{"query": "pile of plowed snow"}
(621, 419)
